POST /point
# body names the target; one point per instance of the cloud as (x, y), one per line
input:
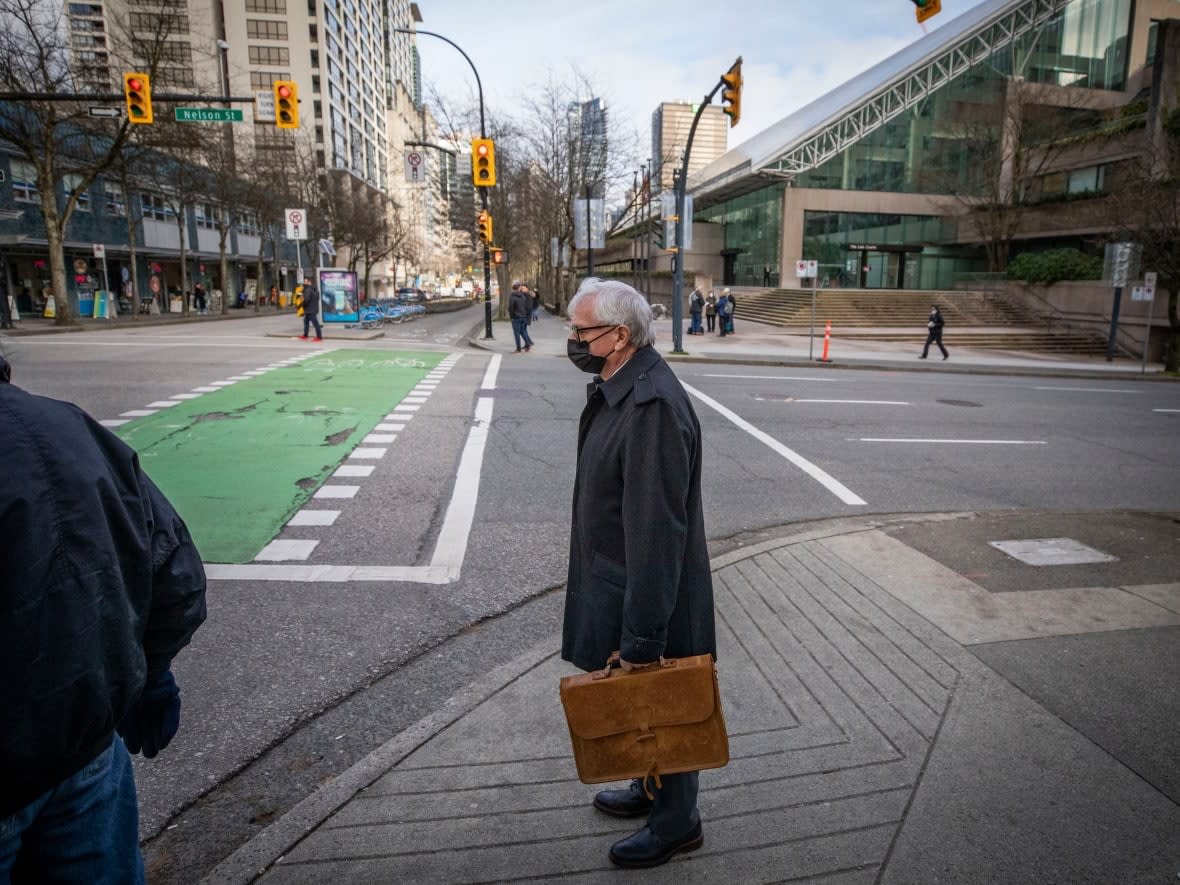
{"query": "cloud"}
(639, 53)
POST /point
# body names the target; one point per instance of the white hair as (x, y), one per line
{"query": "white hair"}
(614, 303)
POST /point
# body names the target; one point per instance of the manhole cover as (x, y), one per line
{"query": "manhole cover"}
(966, 403)
(1052, 551)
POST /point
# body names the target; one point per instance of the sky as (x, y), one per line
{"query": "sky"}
(638, 53)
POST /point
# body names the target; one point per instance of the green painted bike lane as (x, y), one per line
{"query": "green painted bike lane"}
(237, 463)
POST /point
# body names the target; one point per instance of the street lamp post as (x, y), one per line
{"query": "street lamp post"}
(681, 186)
(483, 191)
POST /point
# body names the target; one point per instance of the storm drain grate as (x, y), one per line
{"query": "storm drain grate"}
(1052, 551)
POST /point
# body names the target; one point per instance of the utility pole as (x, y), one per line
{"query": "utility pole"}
(732, 80)
(483, 191)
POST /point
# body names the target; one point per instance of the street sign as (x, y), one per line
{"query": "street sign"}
(1149, 279)
(264, 105)
(100, 250)
(415, 166)
(208, 115)
(805, 269)
(296, 223)
(106, 112)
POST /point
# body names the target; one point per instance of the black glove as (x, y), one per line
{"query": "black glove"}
(152, 722)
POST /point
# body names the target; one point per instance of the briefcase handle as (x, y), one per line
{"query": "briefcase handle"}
(615, 659)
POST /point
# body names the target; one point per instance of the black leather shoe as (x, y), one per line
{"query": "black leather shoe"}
(623, 803)
(646, 849)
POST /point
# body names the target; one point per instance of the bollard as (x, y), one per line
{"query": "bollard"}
(827, 341)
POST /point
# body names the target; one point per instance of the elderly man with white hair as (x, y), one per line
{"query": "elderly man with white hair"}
(639, 580)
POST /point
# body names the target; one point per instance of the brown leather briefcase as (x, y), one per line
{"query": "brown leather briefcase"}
(662, 719)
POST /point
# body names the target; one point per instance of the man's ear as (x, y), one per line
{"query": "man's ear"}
(624, 339)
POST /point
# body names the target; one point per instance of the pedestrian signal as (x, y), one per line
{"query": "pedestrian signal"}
(923, 9)
(731, 95)
(286, 104)
(485, 226)
(483, 162)
(137, 90)
(499, 256)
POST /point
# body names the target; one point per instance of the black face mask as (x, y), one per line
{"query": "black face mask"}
(580, 355)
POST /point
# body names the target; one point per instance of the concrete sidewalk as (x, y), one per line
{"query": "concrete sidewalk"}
(758, 344)
(891, 720)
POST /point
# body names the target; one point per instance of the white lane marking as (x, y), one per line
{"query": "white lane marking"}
(829, 482)
(456, 527)
(297, 573)
(353, 470)
(336, 492)
(163, 404)
(183, 396)
(314, 517)
(368, 453)
(493, 370)
(238, 378)
(378, 439)
(960, 442)
(205, 389)
(223, 383)
(114, 422)
(1166, 410)
(852, 402)
(137, 413)
(772, 377)
(404, 408)
(1089, 389)
(386, 428)
(284, 550)
(410, 398)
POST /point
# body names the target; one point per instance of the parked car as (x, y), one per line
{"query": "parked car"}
(410, 294)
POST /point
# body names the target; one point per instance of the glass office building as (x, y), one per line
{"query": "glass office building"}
(924, 134)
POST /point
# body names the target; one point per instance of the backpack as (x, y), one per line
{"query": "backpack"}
(728, 309)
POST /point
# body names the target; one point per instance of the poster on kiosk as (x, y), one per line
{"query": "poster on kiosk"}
(338, 296)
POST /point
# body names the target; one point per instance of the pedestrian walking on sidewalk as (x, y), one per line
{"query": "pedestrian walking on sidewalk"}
(101, 588)
(520, 307)
(639, 579)
(311, 310)
(199, 300)
(696, 304)
(711, 310)
(534, 302)
(934, 334)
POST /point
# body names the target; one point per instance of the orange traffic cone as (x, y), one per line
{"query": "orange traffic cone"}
(827, 341)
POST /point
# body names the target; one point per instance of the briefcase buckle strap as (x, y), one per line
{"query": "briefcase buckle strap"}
(654, 774)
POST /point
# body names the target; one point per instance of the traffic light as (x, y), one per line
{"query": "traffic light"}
(286, 104)
(499, 256)
(732, 93)
(923, 9)
(483, 162)
(485, 226)
(137, 89)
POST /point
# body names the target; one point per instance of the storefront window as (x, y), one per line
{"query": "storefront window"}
(71, 183)
(24, 182)
(753, 231)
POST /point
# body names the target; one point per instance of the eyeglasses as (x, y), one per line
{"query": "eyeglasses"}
(576, 331)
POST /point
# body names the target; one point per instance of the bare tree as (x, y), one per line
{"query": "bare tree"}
(1147, 203)
(56, 138)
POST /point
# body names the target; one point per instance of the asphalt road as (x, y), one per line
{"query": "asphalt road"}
(292, 680)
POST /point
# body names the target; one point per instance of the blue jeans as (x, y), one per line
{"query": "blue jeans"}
(312, 320)
(520, 330)
(86, 829)
(695, 324)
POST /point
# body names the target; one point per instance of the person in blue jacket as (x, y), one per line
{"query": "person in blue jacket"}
(100, 587)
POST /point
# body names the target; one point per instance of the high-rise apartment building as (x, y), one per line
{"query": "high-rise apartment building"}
(359, 78)
(588, 125)
(670, 124)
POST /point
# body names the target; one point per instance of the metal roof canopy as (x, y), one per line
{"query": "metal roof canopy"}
(825, 127)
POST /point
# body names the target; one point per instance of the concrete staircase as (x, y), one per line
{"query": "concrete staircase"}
(973, 319)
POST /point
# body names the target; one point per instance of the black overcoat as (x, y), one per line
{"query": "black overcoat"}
(639, 578)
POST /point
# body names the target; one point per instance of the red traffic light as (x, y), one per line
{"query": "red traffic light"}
(482, 150)
(284, 91)
(135, 84)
